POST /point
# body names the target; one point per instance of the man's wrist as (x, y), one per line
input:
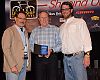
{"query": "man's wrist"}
(87, 54)
(52, 50)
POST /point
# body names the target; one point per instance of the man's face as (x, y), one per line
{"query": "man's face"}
(20, 20)
(31, 23)
(43, 18)
(66, 11)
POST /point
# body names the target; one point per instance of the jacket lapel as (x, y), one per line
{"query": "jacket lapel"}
(18, 37)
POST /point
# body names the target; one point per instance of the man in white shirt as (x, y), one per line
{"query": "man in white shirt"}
(76, 44)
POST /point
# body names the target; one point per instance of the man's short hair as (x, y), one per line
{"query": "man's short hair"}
(21, 11)
(43, 11)
(70, 6)
(67, 3)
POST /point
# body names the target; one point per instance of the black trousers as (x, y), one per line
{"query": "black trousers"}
(45, 68)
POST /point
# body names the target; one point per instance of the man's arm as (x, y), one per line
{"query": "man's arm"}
(6, 46)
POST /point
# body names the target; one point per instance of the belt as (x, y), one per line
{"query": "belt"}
(69, 55)
(73, 54)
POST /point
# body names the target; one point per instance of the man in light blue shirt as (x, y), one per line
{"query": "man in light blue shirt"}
(48, 35)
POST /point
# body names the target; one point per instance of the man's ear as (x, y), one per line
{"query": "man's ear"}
(71, 10)
(38, 19)
(15, 18)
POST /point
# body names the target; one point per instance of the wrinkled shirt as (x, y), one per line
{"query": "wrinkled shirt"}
(48, 36)
(75, 36)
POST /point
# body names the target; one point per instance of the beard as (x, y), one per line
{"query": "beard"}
(67, 16)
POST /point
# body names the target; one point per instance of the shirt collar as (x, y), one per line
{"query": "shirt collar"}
(48, 26)
(18, 28)
(70, 19)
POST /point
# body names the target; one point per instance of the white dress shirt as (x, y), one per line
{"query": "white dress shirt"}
(75, 36)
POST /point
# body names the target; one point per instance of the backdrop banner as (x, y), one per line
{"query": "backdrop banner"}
(89, 10)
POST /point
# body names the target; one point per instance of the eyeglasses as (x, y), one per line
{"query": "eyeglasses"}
(22, 18)
(66, 9)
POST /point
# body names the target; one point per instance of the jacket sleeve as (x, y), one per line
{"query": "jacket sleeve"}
(6, 46)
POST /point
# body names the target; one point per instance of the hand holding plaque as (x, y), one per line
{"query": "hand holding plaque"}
(40, 49)
(44, 50)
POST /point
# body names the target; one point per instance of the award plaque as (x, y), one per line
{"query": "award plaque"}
(40, 49)
(44, 50)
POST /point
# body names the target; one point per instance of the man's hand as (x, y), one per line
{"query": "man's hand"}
(49, 53)
(86, 61)
(14, 70)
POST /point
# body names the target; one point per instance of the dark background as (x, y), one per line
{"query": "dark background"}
(2, 28)
(95, 53)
